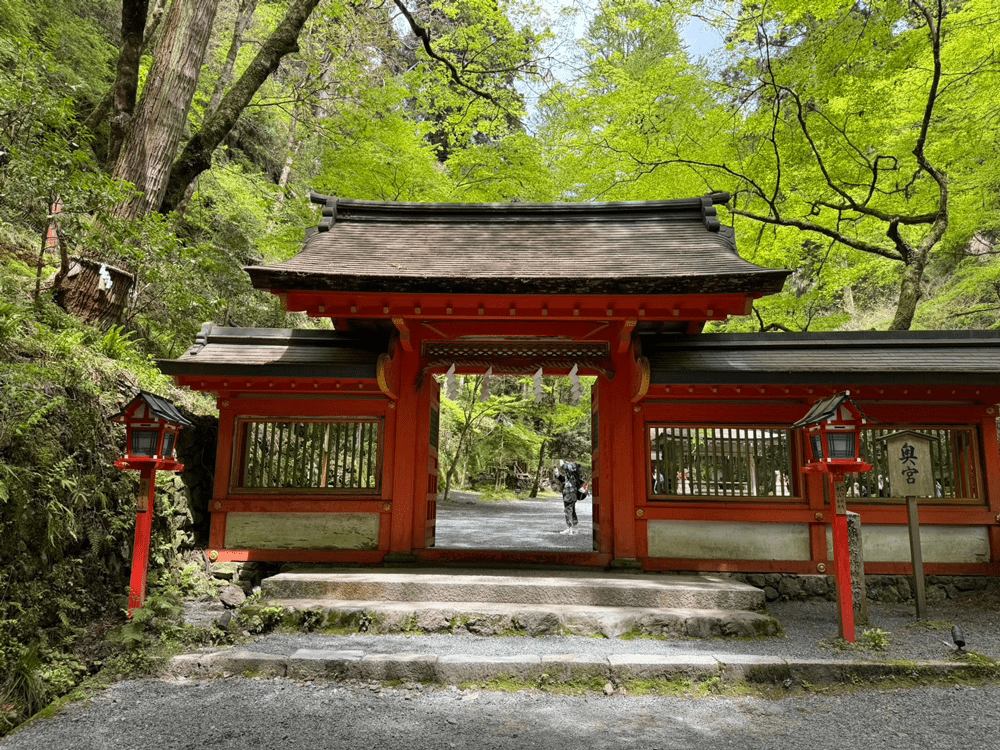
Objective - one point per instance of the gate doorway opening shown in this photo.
(501, 442)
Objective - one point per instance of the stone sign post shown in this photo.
(911, 475)
(856, 552)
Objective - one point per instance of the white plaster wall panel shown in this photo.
(302, 530)
(939, 544)
(709, 540)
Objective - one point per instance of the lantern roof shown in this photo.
(161, 408)
(827, 409)
(626, 248)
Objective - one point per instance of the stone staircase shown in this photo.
(518, 602)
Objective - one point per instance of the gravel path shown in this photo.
(269, 714)
(463, 522)
(238, 713)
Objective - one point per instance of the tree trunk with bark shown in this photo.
(538, 470)
(197, 154)
(152, 138)
(126, 85)
(291, 152)
(244, 15)
(466, 427)
(910, 291)
(96, 117)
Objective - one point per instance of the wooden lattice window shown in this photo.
(719, 462)
(954, 462)
(313, 456)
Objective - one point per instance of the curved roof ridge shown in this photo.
(337, 209)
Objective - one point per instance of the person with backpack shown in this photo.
(570, 476)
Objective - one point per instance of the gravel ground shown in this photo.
(281, 713)
(463, 522)
(238, 713)
(810, 633)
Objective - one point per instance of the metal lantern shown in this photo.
(832, 427)
(152, 425)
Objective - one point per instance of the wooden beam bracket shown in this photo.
(625, 336)
(386, 376)
(404, 333)
(640, 379)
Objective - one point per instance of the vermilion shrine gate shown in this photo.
(328, 445)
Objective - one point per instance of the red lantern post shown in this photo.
(832, 428)
(152, 426)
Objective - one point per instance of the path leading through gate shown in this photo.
(466, 522)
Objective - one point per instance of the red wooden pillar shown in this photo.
(223, 466)
(814, 486)
(600, 442)
(991, 481)
(618, 474)
(420, 434)
(842, 556)
(405, 465)
(143, 535)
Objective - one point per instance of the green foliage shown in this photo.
(874, 639)
(66, 514)
(258, 620)
(43, 158)
(499, 445)
(161, 616)
(494, 495)
(479, 39)
(79, 35)
(815, 122)
(964, 295)
(636, 102)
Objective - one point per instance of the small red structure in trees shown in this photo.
(152, 424)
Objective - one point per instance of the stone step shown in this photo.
(494, 619)
(543, 588)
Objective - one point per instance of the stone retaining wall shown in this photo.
(888, 589)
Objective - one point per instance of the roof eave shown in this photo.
(180, 368)
(275, 279)
(838, 378)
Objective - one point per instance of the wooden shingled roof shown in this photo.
(655, 247)
(844, 358)
(278, 352)
(161, 408)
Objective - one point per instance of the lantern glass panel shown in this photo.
(817, 447)
(841, 445)
(168, 445)
(144, 442)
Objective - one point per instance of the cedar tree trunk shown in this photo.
(127, 78)
(96, 117)
(197, 154)
(152, 138)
